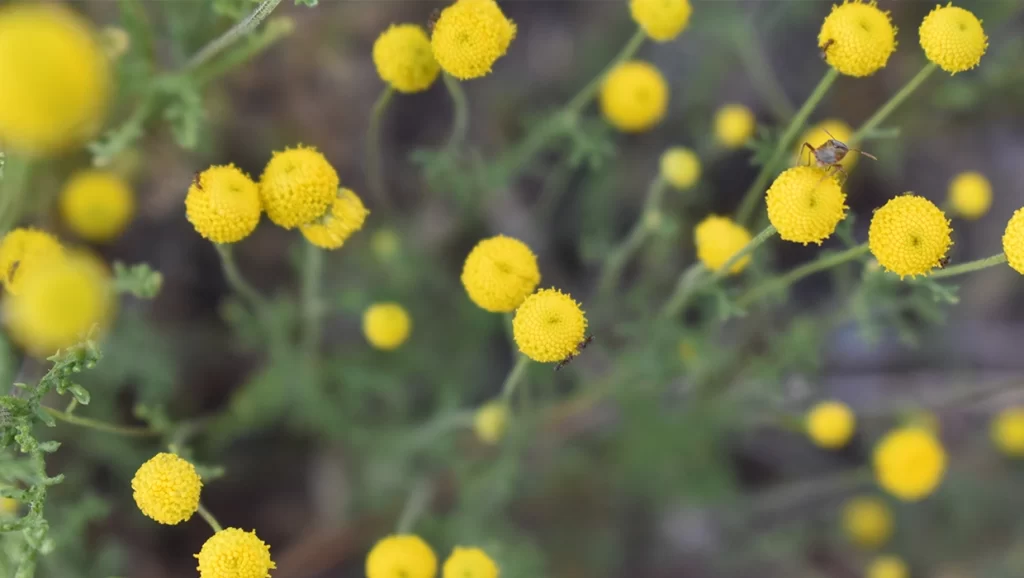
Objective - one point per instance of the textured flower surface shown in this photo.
(818, 135)
(661, 20)
(166, 488)
(97, 205)
(401, 556)
(234, 553)
(805, 205)
(1013, 241)
(909, 235)
(953, 38)
(634, 96)
(680, 167)
(867, 521)
(223, 204)
(719, 238)
(386, 325)
(499, 273)
(1008, 431)
(490, 421)
(830, 424)
(970, 195)
(469, 563)
(857, 38)
(548, 326)
(887, 567)
(297, 187)
(23, 250)
(404, 58)
(734, 125)
(55, 77)
(909, 463)
(470, 36)
(345, 217)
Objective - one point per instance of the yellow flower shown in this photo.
(404, 58)
(909, 463)
(166, 488)
(8, 507)
(297, 186)
(386, 325)
(499, 273)
(490, 421)
(953, 38)
(887, 567)
(817, 135)
(909, 235)
(97, 205)
(1008, 431)
(401, 556)
(55, 75)
(867, 521)
(857, 38)
(805, 205)
(470, 36)
(634, 96)
(223, 204)
(830, 424)
(345, 217)
(385, 244)
(661, 20)
(58, 303)
(734, 125)
(469, 563)
(548, 326)
(717, 240)
(680, 167)
(22, 250)
(234, 553)
(1013, 242)
(970, 195)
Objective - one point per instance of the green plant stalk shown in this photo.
(209, 518)
(215, 69)
(883, 113)
(17, 173)
(969, 267)
(514, 377)
(312, 302)
(624, 251)
(588, 92)
(415, 506)
(234, 34)
(237, 281)
(374, 165)
(787, 279)
(753, 195)
(131, 431)
(460, 119)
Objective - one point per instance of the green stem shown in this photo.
(275, 30)
(787, 279)
(373, 149)
(587, 94)
(237, 281)
(15, 182)
(753, 195)
(897, 99)
(969, 267)
(209, 518)
(235, 33)
(312, 302)
(460, 121)
(414, 506)
(624, 251)
(514, 377)
(100, 425)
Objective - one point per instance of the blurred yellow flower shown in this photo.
(887, 567)
(634, 96)
(386, 325)
(909, 463)
(385, 244)
(341, 221)
(8, 507)
(403, 555)
(830, 424)
(857, 38)
(470, 36)
(953, 38)
(234, 553)
(1013, 241)
(97, 205)
(499, 273)
(970, 195)
(404, 58)
(297, 186)
(1008, 431)
(55, 76)
(166, 488)
(719, 238)
(818, 135)
(680, 167)
(469, 563)
(909, 235)
(223, 204)
(22, 250)
(661, 20)
(490, 421)
(867, 521)
(548, 326)
(805, 205)
(734, 125)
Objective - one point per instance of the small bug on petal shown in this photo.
(829, 155)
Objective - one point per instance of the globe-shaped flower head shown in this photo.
(970, 195)
(297, 186)
(953, 38)
(346, 216)
(830, 424)
(470, 36)
(719, 238)
(661, 20)
(805, 205)
(734, 125)
(909, 235)
(489, 422)
(386, 325)
(680, 167)
(1013, 241)
(548, 326)
(857, 38)
(401, 556)
(96, 205)
(223, 204)
(234, 553)
(404, 58)
(887, 566)
(1008, 431)
(469, 563)
(634, 96)
(909, 463)
(22, 250)
(867, 521)
(499, 273)
(166, 488)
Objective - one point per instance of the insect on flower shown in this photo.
(579, 348)
(825, 47)
(829, 155)
(197, 180)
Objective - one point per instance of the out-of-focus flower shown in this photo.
(734, 125)
(970, 195)
(386, 325)
(1008, 431)
(680, 167)
(21, 251)
(97, 205)
(867, 521)
(634, 96)
(887, 567)
(404, 58)
(490, 421)
(830, 424)
(346, 216)
(717, 240)
(499, 273)
(909, 463)
(469, 563)
(403, 555)
(661, 20)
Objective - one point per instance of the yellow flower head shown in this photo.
(223, 204)
(59, 302)
(341, 221)
(404, 58)
(166, 488)
(1008, 431)
(23, 250)
(55, 75)
(401, 556)
(490, 421)
(887, 567)
(830, 424)
(548, 326)
(717, 240)
(469, 563)
(234, 553)
(680, 167)
(953, 38)
(96, 205)
(817, 135)
(805, 204)
(8, 507)
(867, 521)
(970, 195)
(470, 36)
(909, 463)
(499, 273)
(385, 244)
(297, 186)
(386, 325)
(634, 96)
(734, 125)
(857, 38)
(661, 20)
(909, 235)
(1013, 242)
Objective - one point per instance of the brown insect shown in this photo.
(825, 47)
(579, 348)
(197, 180)
(830, 154)
(432, 20)
(944, 262)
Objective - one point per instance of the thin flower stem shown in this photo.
(100, 425)
(373, 148)
(236, 280)
(312, 302)
(787, 279)
(514, 377)
(587, 94)
(883, 113)
(237, 32)
(17, 172)
(209, 518)
(752, 198)
(460, 122)
(415, 505)
(274, 31)
(969, 267)
(624, 251)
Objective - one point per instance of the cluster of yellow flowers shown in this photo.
(408, 556)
